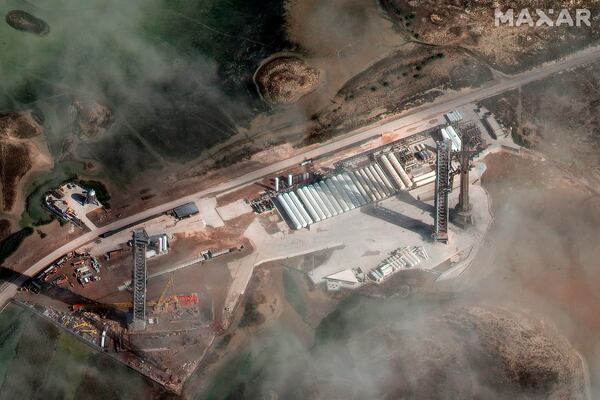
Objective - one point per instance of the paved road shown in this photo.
(413, 117)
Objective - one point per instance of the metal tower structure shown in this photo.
(442, 188)
(462, 215)
(140, 241)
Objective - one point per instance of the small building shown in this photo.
(345, 278)
(186, 210)
(453, 116)
(492, 126)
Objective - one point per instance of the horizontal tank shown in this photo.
(290, 214)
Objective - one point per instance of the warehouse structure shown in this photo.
(453, 117)
(185, 210)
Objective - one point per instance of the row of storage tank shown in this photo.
(348, 190)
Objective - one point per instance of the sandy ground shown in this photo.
(40, 161)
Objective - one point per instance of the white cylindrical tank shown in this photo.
(165, 243)
(353, 189)
(370, 184)
(332, 198)
(360, 187)
(289, 212)
(328, 208)
(454, 137)
(390, 169)
(337, 195)
(160, 244)
(295, 210)
(386, 181)
(364, 185)
(301, 208)
(319, 200)
(277, 184)
(377, 180)
(400, 170)
(290, 179)
(424, 176)
(314, 202)
(342, 191)
(425, 181)
(308, 206)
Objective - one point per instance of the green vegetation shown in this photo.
(230, 379)
(38, 360)
(292, 293)
(349, 316)
(9, 245)
(11, 325)
(251, 315)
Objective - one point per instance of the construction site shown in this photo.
(156, 293)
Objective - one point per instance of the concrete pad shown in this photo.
(234, 210)
(209, 213)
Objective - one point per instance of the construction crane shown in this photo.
(162, 300)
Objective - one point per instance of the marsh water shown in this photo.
(176, 75)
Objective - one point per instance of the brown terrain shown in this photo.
(410, 77)
(469, 25)
(541, 251)
(26, 22)
(559, 117)
(284, 80)
(471, 352)
(91, 118)
(19, 154)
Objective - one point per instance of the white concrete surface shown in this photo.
(234, 210)
(207, 207)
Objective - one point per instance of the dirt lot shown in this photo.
(54, 236)
(542, 251)
(14, 163)
(559, 117)
(396, 83)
